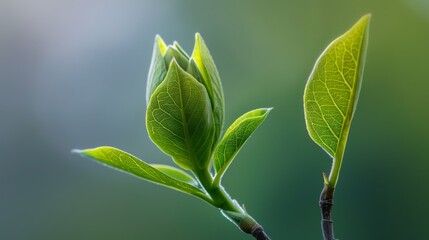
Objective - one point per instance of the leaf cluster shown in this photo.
(184, 118)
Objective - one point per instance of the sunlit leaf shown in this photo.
(194, 71)
(235, 137)
(333, 87)
(128, 163)
(158, 67)
(179, 119)
(179, 48)
(176, 173)
(173, 53)
(211, 80)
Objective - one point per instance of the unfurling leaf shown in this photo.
(211, 81)
(126, 162)
(173, 53)
(235, 137)
(179, 119)
(158, 67)
(332, 90)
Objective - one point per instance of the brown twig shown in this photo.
(326, 203)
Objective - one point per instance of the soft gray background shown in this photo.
(73, 75)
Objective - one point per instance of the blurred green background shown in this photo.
(73, 75)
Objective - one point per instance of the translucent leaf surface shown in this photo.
(333, 87)
(176, 173)
(126, 162)
(235, 137)
(179, 119)
(158, 67)
(194, 71)
(211, 80)
(176, 54)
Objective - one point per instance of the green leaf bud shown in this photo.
(186, 118)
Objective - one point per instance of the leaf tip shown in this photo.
(80, 152)
(367, 16)
(197, 36)
(264, 111)
(367, 19)
(161, 44)
(199, 44)
(76, 151)
(268, 110)
(173, 65)
(364, 21)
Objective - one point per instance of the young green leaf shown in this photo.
(173, 53)
(158, 67)
(332, 92)
(179, 48)
(211, 80)
(179, 119)
(235, 137)
(126, 162)
(194, 71)
(176, 174)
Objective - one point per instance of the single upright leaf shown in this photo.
(235, 137)
(158, 67)
(179, 119)
(211, 80)
(332, 90)
(126, 162)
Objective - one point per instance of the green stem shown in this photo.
(220, 198)
(229, 207)
(327, 195)
(335, 171)
(338, 158)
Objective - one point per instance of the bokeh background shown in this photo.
(73, 75)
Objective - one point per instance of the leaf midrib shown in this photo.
(153, 176)
(184, 119)
(348, 117)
